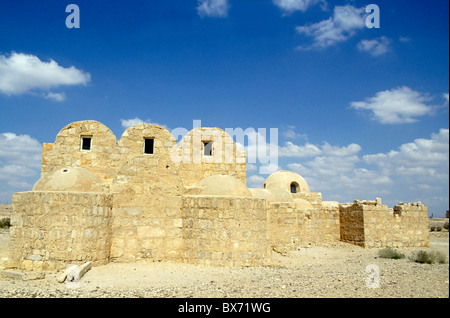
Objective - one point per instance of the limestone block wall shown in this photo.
(414, 223)
(147, 215)
(51, 230)
(107, 155)
(351, 221)
(131, 143)
(372, 224)
(225, 231)
(283, 227)
(291, 227)
(225, 158)
(321, 225)
(103, 159)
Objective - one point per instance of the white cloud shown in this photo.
(255, 181)
(213, 8)
(375, 47)
(291, 134)
(344, 23)
(396, 106)
(404, 39)
(57, 97)
(417, 157)
(292, 150)
(323, 166)
(416, 171)
(20, 150)
(337, 151)
(20, 162)
(127, 123)
(289, 6)
(21, 73)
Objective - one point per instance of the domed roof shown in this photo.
(285, 180)
(69, 179)
(302, 204)
(223, 185)
(273, 195)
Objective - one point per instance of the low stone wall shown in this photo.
(290, 227)
(282, 227)
(351, 219)
(50, 230)
(372, 224)
(225, 231)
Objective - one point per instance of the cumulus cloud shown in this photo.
(21, 73)
(290, 6)
(375, 47)
(344, 23)
(127, 123)
(427, 157)
(325, 165)
(415, 171)
(292, 150)
(20, 162)
(213, 8)
(290, 133)
(57, 97)
(20, 150)
(396, 106)
(255, 181)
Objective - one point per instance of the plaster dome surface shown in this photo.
(302, 204)
(71, 179)
(223, 185)
(284, 179)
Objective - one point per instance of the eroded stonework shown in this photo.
(146, 198)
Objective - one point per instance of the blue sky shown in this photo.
(361, 112)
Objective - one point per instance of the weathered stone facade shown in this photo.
(146, 198)
(372, 224)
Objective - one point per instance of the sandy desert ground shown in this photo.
(338, 270)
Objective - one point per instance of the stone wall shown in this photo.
(53, 229)
(225, 231)
(103, 159)
(351, 221)
(225, 158)
(372, 224)
(107, 155)
(291, 226)
(283, 226)
(147, 215)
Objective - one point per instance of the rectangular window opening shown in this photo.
(149, 146)
(208, 148)
(86, 142)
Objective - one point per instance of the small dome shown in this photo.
(69, 179)
(302, 204)
(223, 185)
(287, 180)
(273, 195)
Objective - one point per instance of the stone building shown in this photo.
(147, 198)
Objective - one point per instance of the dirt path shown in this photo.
(338, 270)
